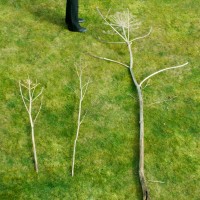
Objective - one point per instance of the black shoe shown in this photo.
(80, 20)
(80, 30)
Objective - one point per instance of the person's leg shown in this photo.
(72, 14)
(71, 18)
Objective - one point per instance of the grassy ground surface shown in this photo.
(34, 41)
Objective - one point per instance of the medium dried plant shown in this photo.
(27, 92)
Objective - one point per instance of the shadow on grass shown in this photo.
(50, 15)
(40, 11)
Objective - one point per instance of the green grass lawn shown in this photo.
(34, 41)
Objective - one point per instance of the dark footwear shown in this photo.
(80, 20)
(80, 30)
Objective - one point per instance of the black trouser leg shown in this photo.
(72, 14)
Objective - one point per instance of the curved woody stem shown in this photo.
(145, 190)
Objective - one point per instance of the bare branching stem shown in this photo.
(28, 103)
(112, 27)
(122, 28)
(82, 91)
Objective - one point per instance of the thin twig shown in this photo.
(26, 98)
(88, 82)
(34, 88)
(162, 70)
(110, 60)
(23, 96)
(110, 25)
(83, 117)
(77, 72)
(147, 84)
(128, 37)
(38, 111)
(84, 92)
(23, 85)
(124, 32)
(138, 38)
(108, 13)
(38, 95)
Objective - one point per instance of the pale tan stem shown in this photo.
(83, 90)
(77, 134)
(110, 60)
(141, 122)
(141, 156)
(32, 126)
(142, 37)
(162, 70)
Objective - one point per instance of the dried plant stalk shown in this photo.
(28, 103)
(82, 92)
(122, 24)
